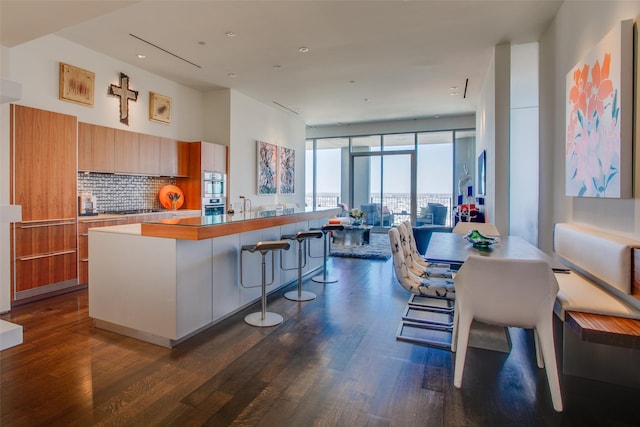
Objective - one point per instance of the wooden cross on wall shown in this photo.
(125, 95)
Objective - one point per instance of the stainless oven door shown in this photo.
(212, 210)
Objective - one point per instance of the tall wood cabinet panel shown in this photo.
(44, 182)
(202, 157)
(126, 146)
(95, 148)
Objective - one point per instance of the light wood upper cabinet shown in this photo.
(95, 148)
(169, 157)
(102, 149)
(84, 147)
(213, 157)
(126, 145)
(148, 154)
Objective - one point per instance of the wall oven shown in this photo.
(213, 184)
(213, 206)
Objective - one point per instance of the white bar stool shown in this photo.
(326, 230)
(263, 318)
(301, 237)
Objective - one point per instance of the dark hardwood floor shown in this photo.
(333, 362)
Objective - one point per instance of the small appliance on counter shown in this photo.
(87, 204)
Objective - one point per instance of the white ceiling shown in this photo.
(367, 60)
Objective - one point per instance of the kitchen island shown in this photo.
(164, 281)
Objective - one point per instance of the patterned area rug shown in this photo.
(378, 248)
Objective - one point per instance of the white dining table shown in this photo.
(454, 248)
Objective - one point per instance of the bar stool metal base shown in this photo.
(322, 279)
(300, 296)
(270, 319)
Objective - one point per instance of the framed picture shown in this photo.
(76, 85)
(286, 170)
(599, 114)
(159, 108)
(267, 157)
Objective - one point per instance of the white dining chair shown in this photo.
(485, 228)
(416, 263)
(507, 292)
(437, 295)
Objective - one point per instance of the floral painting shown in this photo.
(267, 155)
(599, 103)
(287, 170)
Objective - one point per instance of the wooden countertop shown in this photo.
(207, 227)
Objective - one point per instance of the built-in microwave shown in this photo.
(213, 184)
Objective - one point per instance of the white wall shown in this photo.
(577, 27)
(523, 160)
(485, 135)
(252, 121)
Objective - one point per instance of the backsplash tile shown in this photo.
(123, 192)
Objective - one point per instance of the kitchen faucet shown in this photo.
(244, 203)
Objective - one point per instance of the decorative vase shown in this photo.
(357, 222)
(174, 205)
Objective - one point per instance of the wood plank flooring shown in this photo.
(333, 362)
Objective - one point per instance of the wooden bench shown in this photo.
(599, 304)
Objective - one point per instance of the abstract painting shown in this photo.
(76, 84)
(287, 170)
(159, 108)
(267, 156)
(599, 95)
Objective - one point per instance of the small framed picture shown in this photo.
(159, 108)
(76, 85)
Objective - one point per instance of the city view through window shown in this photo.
(388, 176)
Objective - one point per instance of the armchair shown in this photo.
(374, 216)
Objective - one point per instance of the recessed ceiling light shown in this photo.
(232, 75)
(454, 88)
(230, 34)
(201, 43)
(141, 56)
(366, 100)
(303, 49)
(453, 93)
(276, 67)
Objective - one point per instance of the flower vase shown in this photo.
(357, 222)
(174, 205)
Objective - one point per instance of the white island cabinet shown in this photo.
(164, 290)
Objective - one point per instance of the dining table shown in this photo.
(454, 249)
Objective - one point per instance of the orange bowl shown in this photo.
(165, 201)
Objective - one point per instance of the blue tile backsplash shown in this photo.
(123, 192)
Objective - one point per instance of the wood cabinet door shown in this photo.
(44, 173)
(208, 157)
(84, 147)
(125, 151)
(149, 154)
(102, 149)
(45, 254)
(168, 157)
(220, 158)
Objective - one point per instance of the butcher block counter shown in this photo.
(164, 281)
(206, 227)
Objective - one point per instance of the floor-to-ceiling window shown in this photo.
(393, 177)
